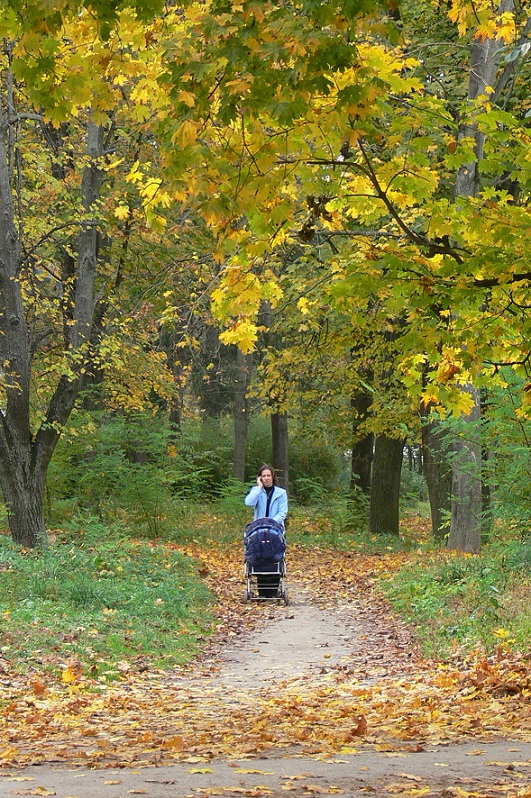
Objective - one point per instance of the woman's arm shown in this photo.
(251, 500)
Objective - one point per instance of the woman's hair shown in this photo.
(267, 467)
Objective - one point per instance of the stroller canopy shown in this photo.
(264, 542)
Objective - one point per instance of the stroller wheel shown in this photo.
(246, 596)
(285, 596)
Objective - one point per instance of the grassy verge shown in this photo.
(466, 603)
(101, 599)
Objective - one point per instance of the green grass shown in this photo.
(101, 598)
(465, 603)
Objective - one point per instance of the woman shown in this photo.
(269, 501)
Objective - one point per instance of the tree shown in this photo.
(438, 473)
(385, 486)
(61, 122)
(467, 494)
(316, 128)
(375, 146)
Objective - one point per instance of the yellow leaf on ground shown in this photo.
(252, 770)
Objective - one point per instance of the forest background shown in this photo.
(233, 233)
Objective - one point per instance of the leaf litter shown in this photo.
(384, 696)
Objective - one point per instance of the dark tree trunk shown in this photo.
(211, 399)
(176, 401)
(487, 508)
(385, 486)
(438, 474)
(241, 413)
(279, 431)
(362, 447)
(25, 508)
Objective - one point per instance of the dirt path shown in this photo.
(325, 696)
(305, 640)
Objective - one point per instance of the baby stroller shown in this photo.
(264, 547)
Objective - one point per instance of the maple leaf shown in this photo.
(72, 673)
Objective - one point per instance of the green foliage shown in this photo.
(204, 451)
(258, 448)
(466, 602)
(413, 488)
(316, 469)
(115, 466)
(507, 437)
(136, 468)
(100, 597)
(504, 435)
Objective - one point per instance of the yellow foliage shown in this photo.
(186, 134)
(243, 333)
(122, 212)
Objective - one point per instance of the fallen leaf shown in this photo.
(252, 770)
(39, 688)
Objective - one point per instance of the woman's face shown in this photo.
(267, 478)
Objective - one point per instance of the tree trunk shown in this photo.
(241, 413)
(361, 460)
(467, 497)
(24, 456)
(438, 474)
(467, 505)
(487, 515)
(211, 395)
(385, 486)
(279, 431)
(24, 501)
(175, 406)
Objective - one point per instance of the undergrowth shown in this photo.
(102, 599)
(465, 603)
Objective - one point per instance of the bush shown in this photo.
(316, 470)
(112, 465)
(137, 470)
(459, 600)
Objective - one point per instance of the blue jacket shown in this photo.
(278, 508)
